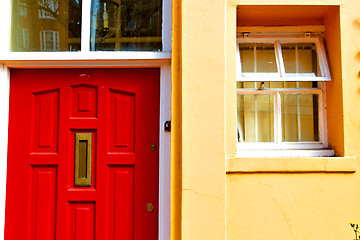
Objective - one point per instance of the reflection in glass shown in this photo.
(258, 58)
(46, 25)
(300, 121)
(300, 59)
(126, 25)
(255, 118)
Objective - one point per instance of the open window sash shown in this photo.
(279, 71)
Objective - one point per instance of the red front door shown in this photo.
(83, 156)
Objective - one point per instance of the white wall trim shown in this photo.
(4, 117)
(70, 56)
(164, 137)
(85, 63)
(166, 25)
(164, 153)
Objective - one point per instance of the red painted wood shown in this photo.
(43, 199)
(84, 101)
(122, 116)
(46, 121)
(82, 220)
(120, 107)
(120, 206)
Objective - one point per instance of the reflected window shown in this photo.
(22, 9)
(48, 8)
(49, 40)
(52, 25)
(126, 25)
(24, 38)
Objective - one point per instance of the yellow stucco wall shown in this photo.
(216, 195)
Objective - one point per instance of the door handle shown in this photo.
(150, 207)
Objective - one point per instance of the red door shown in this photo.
(83, 157)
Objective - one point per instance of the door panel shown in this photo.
(43, 202)
(93, 125)
(46, 118)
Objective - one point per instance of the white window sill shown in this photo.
(82, 55)
(271, 153)
(291, 165)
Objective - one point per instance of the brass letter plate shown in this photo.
(83, 159)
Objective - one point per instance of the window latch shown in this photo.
(167, 126)
(246, 34)
(262, 86)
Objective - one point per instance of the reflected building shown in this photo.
(126, 25)
(46, 25)
(55, 25)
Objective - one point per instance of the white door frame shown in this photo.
(164, 137)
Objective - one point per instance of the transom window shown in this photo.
(281, 91)
(96, 25)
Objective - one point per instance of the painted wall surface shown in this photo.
(220, 195)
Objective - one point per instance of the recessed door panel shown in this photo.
(43, 202)
(121, 202)
(46, 117)
(122, 112)
(82, 221)
(80, 161)
(84, 101)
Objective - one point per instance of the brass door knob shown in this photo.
(153, 146)
(149, 207)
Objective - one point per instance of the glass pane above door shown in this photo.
(126, 25)
(46, 25)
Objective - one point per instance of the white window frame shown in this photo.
(279, 148)
(277, 40)
(87, 59)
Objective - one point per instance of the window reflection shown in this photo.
(126, 25)
(46, 25)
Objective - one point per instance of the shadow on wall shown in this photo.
(356, 23)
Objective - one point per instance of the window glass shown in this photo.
(126, 25)
(49, 40)
(298, 112)
(258, 58)
(300, 59)
(46, 25)
(255, 118)
(299, 117)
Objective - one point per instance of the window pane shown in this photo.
(301, 60)
(272, 85)
(46, 25)
(299, 118)
(258, 58)
(126, 25)
(255, 118)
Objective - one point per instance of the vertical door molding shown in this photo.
(4, 116)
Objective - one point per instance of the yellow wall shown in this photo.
(216, 195)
